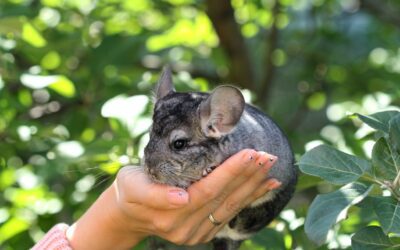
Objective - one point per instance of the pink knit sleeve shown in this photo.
(55, 239)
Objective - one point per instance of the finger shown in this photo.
(268, 186)
(135, 187)
(206, 236)
(229, 174)
(211, 235)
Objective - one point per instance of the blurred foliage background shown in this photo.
(76, 78)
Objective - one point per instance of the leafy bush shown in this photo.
(368, 184)
(76, 80)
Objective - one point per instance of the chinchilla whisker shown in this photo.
(190, 177)
(98, 183)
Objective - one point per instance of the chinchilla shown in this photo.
(194, 132)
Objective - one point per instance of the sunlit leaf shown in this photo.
(250, 30)
(59, 83)
(53, 3)
(141, 125)
(139, 5)
(12, 227)
(63, 86)
(36, 81)
(370, 238)
(128, 110)
(125, 107)
(328, 209)
(316, 101)
(7, 177)
(25, 98)
(24, 197)
(51, 60)
(70, 149)
(333, 165)
(180, 2)
(1, 83)
(110, 167)
(185, 32)
(32, 36)
(88, 135)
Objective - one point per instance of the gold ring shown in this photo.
(213, 220)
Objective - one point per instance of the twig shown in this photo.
(272, 41)
(382, 10)
(396, 182)
(222, 16)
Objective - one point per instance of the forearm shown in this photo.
(103, 226)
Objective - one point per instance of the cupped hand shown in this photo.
(134, 207)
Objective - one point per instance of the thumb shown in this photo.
(137, 188)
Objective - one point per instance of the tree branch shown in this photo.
(272, 41)
(382, 10)
(222, 17)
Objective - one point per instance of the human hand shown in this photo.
(233, 185)
(134, 208)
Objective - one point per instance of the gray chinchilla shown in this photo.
(193, 133)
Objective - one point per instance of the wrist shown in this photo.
(104, 225)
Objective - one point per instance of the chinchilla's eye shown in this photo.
(179, 144)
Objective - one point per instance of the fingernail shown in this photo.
(178, 197)
(272, 159)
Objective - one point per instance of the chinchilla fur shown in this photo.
(194, 132)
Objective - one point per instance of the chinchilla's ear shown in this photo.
(164, 85)
(220, 112)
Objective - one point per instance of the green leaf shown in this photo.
(394, 133)
(388, 211)
(380, 120)
(7, 178)
(32, 36)
(59, 83)
(51, 60)
(370, 238)
(317, 101)
(333, 165)
(11, 228)
(11, 25)
(385, 164)
(328, 209)
(269, 237)
(306, 181)
(63, 86)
